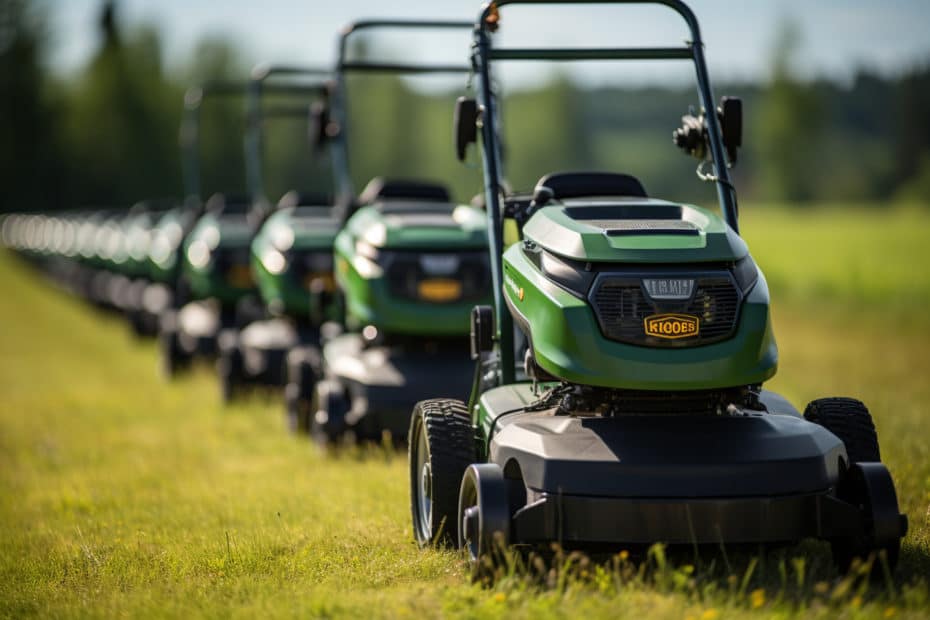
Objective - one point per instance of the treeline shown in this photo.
(107, 136)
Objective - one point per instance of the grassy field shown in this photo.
(121, 495)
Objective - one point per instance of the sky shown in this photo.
(838, 36)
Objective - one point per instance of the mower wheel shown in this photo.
(303, 370)
(870, 487)
(173, 359)
(328, 426)
(850, 420)
(484, 513)
(231, 373)
(441, 446)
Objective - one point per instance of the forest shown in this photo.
(107, 135)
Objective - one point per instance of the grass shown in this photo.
(121, 495)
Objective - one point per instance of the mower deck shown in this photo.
(384, 383)
(750, 477)
(262, 348)
(196, 327)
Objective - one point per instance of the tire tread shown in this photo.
(850, 420)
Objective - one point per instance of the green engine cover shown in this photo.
(292, 259)
(215, 258)
(413, 267)
(642, 294)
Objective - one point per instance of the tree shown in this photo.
(27, 151)
(788, 126)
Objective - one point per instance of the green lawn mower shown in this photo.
(641, 326)
(129, 264)
(214, 286)
(410, 264)
(292, 253)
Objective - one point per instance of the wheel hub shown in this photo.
(425, 488)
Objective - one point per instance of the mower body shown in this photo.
(292, 261)
(591, 286)
(409, 269)
(413, 267)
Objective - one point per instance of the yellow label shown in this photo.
(320, 282)
(240, 276)
(520, 293)
(672, 326)
(439, 289)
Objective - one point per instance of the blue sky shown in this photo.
(838, 35)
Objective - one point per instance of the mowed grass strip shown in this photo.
(121, 494)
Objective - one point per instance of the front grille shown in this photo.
(404, 274)
(306, 262)
(227, 258)
(622, 305)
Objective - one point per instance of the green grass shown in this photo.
(121, 495)
(843, 254)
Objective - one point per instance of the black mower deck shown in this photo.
(384, 383)
(696, 479)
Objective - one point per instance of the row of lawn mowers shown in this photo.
(580, 363)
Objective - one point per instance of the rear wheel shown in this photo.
(441, 447)
(850, 420)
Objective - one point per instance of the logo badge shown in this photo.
(672, 326)
(669, 288)
(440, 290)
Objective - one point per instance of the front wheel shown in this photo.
(328, 425)
(303, 371)
(869, 487)
(231, 373)
(441, 446)
(173, 359)
(484, 513)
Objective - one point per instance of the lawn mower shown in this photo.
(410, 264)
(128, 263)
(637, 414)
(292, 253)
(214, 286)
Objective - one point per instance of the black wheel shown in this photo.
(173, 359)
(869, 487)
(303, 368)
(850, 420)
(231, 374)
(441, 447)
(484, 513)
(328, 425)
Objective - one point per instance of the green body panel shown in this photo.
(287, 236)
(497, 400)
(362, 281)
(390, 229)
(216, 235)
(568, 342)
(553, 229)
(563, 329)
